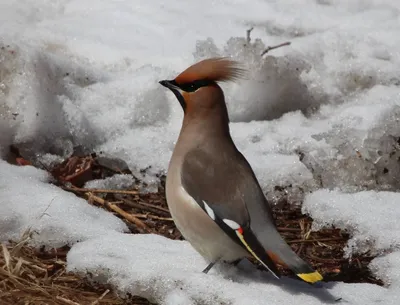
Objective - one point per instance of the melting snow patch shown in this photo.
(167, 271)
(56, 217)
(121, 181)
(372, 218)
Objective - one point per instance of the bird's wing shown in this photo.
(225, 187)
(222, 185)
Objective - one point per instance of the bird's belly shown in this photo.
(200, 230)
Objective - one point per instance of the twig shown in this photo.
(146, 216)
(118, 210)
(314, 240)
(300, 249)
(283, 229)
(66, 301)
(85, 190)
(153, 206)
(358, 263)
(100, 297)
(7, 257)
(275, 47)
(326, 260)
(248, 32)
(142, 205)
(116, 202)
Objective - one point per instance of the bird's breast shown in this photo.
(196, 226)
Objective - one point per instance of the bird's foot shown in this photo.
(208, 268)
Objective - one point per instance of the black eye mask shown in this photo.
(193, 86)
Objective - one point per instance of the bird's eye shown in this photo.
(191, 87)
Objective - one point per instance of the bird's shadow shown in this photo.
(245, 271)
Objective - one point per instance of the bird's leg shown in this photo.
(210, 265)
(208, 268)
(236, 262)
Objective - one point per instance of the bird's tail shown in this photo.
(281, 253)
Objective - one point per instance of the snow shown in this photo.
(119, 181)
(321, 116)
(361, 214)
(175, 275)
(55, 217)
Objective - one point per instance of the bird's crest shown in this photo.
(218, 69)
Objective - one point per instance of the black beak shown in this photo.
(172, 85)
(168, 84)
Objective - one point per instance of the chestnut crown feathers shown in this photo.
(208, 71)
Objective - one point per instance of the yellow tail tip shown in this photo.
(310, 277)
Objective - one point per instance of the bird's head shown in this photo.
(197, 87)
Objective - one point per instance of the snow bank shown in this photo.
(370, 217)
(174, 272)
(55, 217)
(99, 89)
(170, 272)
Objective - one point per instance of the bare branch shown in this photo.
(248, 32)
(129, 217)
(85, 190)
(275, 47)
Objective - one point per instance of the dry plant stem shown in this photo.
(101, 297)
(116, 209)
(66, 301)
(142, 205)
(275, 47)
(154, 207)
(281, 229)
(325, 260)
(313, 240)
(248, 32)
(6, 255)
(85, 190)
(248, 39)
(146, 216)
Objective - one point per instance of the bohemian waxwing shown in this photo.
(212, 193)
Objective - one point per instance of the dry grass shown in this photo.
(31, 277)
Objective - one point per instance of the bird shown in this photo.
(212, 192)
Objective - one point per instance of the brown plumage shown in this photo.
(219, 69)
